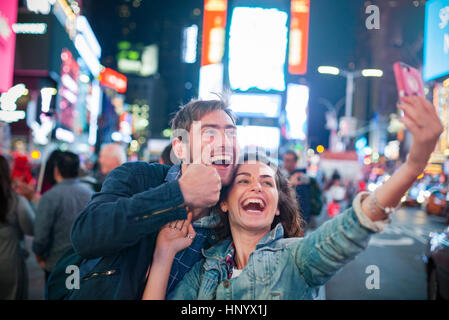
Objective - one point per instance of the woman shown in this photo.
(16, 219)
(264, 258)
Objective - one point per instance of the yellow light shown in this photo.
(35, 154)
(320, 149)
(446, 83)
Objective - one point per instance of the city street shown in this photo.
(397, 252)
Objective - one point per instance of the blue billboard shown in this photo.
(436, 40)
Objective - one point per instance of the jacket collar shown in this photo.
(69, 181)
(174, 173)
(273, 235)
(220, 250)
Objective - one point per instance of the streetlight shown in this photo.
(350, 76)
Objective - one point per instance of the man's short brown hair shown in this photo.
(196, 109)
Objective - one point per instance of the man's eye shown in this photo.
(243, 181)
(231, 133)
(210, 132)
(269, 183)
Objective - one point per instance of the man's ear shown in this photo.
(179, 148)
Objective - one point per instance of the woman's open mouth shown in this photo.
(253, 205)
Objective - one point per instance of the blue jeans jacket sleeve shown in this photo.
(326, 250)
(134, 202)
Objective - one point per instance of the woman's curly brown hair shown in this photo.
(289, 216)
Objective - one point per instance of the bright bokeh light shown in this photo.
(35, 155)
(296, 111)
(329, 70)
(372, 73)
(211, 81)
(266, 105)
(190, 44)
(29, 28)
(265, 137)
(320, 149)
(257, 49)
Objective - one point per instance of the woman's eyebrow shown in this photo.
(249, 175)
(243, 173)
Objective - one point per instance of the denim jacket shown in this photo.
(281, 268)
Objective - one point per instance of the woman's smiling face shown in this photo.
(252, 201)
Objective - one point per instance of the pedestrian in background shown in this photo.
(289, 163)
(308, 192)
(112, 155)
(56, 211)
(49, 179)
(16, 219)
(165, 156)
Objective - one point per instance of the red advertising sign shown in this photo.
(214, 26)
(114, 80)
(299, 36)
(8, 16)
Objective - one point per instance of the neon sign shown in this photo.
(8, 106)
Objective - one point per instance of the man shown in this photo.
(116, 232)
(308, 192)
(57, 210)
(165, 157)
(111, 156)
(289, 162)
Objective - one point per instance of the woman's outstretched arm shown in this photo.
(173, 237)
(421, 119)
(326, 250)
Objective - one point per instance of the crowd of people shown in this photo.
(46, 215)
(220, 223)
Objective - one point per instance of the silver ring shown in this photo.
(190, 237)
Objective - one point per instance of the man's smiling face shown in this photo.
(213, 140)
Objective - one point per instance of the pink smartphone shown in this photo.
(408, 80)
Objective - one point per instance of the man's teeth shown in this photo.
(221, 158)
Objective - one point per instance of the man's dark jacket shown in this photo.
(119, 227)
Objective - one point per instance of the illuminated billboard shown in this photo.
(211, 81)
(264, 105)
(114, 80)
(260, 136)
(257, 49)
(214, 25)
(436, 40)
(296, 111)
(68, 91)
(8, 16)
(299, 36)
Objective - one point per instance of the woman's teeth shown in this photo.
(253, 205)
